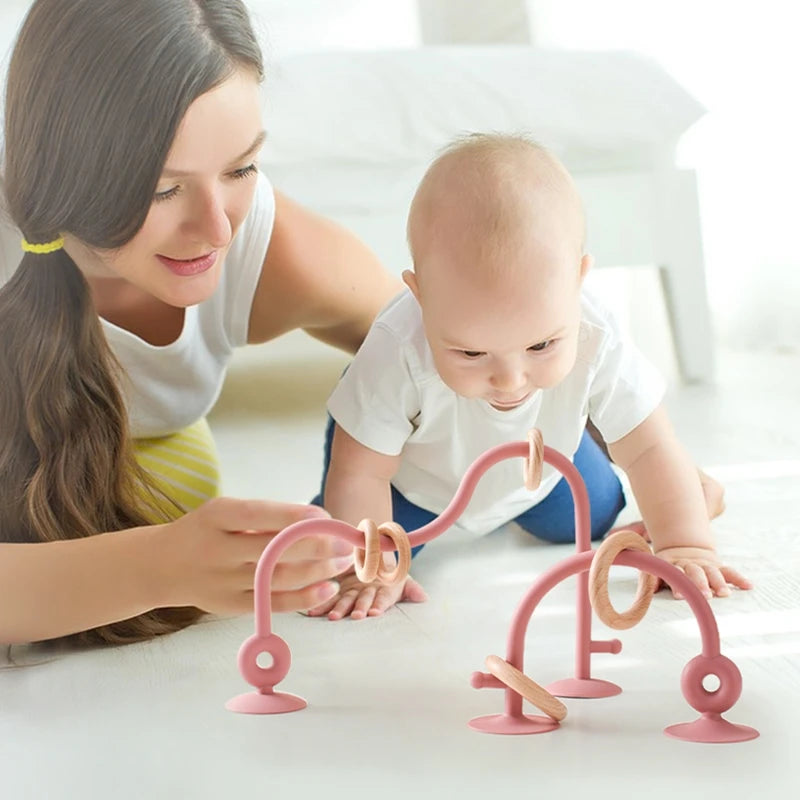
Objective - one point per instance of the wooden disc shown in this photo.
(523, 685)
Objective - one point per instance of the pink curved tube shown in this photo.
(580, 562)
(710, 727)
(288, 536)
(262, 599)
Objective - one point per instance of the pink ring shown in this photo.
(722, 698)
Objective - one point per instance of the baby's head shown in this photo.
(496, 234)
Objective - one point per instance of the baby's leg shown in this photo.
(409, 516)
(554, 518)
(326, 460)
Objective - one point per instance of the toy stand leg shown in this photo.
(711, 728)
(513, 725)
(268, 702)
(583, 687)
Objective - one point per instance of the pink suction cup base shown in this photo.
(583, 687)
(513, 725)
(711, 728)
(266, 703)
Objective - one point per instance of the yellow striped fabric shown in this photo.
(184, 465)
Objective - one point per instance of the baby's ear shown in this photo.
(410, 280)
(587, 262)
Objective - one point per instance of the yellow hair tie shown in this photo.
(46, 247)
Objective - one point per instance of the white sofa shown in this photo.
(351, 131)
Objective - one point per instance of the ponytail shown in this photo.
(67, 468)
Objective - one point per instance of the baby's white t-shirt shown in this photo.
(392, 400)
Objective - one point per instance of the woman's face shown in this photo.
(203, 195)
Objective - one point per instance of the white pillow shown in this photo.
(597, 110)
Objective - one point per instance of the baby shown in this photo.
(494, 337)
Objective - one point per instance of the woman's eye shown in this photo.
(244, 172)
(537, 348)
(237, 174)
(167, 194)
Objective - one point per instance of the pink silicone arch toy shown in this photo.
(709, 727)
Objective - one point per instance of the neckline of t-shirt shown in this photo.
(189, 320)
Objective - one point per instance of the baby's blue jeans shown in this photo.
(553, 519)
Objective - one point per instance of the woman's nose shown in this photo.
(210, 222)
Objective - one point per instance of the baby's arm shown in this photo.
(358, 487)
(666, 486)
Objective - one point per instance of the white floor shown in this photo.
(389, 698)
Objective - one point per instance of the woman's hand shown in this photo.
(208, 557)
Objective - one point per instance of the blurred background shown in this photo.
(740, 60)
(360, 93)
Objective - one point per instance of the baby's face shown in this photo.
(505, 339)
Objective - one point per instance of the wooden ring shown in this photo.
(400, 538)
(598, 581)
(367, 560)
(520, 683)
(532, 467)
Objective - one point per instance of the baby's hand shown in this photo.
(359, 600)
(704, 569)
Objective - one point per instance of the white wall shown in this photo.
(742, 61)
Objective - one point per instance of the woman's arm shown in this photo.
(57, 588)
(206, 558)
(319, 277)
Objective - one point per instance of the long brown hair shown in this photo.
(95, 92)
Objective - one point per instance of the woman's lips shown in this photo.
(188, 267)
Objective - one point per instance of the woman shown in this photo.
(153, 247)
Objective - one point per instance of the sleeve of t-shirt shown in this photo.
(376, 398)
(626, 387)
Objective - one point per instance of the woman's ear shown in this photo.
(410, 280)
